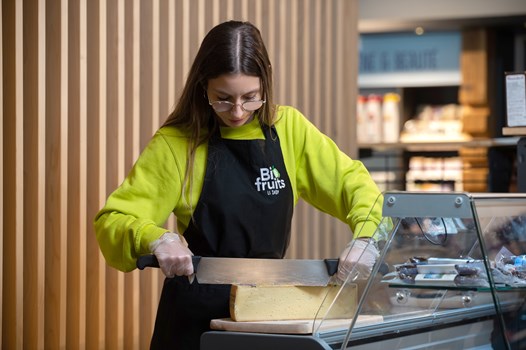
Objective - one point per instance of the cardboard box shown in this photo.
(474, 157)
(475, 120)
(475, 180)
(474, 67)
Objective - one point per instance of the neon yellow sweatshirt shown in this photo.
(321, 174)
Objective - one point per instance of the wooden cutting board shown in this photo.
(288, 327)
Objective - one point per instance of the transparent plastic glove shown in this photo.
(175, 259)
(359, 257)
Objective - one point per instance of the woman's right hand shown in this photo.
(175, 259)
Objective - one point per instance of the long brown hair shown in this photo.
(228, 48)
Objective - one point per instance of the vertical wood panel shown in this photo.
(12, 311)
(52, 312)
(56, 173)
(76, 251)
(114, 77)
(156, 70)
(1, 174)
(60, 237)
(75, 246)
(18, 158)
(96, 162)
(82, 178)
(96, 80)
(105, 325)
(34, 163)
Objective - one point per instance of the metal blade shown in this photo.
(269, 272)
(292, 272)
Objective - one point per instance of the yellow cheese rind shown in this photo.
(275, 303)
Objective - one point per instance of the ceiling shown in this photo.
(405, 15)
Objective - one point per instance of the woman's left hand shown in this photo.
(359, 256)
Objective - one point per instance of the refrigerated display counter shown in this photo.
(451, 274)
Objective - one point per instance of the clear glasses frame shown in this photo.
(226, 106)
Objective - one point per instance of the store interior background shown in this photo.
(449, 121)
(86, 83)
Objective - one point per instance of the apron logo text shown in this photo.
(269, 181)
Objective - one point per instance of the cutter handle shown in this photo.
(147, 261)
(331, 265)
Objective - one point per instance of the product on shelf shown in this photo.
(391, 117)
(373, 129)
(450, 272)
(435, 124)
(434, 174)
(378, 118)
(507, 269)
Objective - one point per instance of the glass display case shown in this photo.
(451, 274)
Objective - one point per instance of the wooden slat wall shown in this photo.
(85, 84)
(1, 177)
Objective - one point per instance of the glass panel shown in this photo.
(503, 225)
(442, 264)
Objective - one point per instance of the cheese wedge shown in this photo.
(275, 303)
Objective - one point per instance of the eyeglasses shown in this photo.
(226, 106)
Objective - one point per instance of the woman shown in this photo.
(230, 165)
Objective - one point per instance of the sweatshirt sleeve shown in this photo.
(331, 181)
(135, 212)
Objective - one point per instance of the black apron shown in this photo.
(245, 210)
